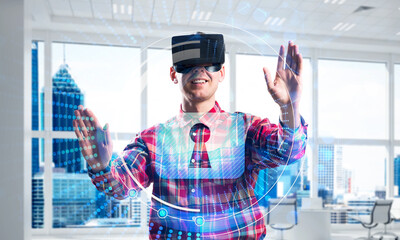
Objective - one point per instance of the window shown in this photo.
(352, 99)
(397, 101)
(104, 79)
(252, 93)
(396, 191)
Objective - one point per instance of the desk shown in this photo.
(312, 225)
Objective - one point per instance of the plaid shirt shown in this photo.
(228, 206)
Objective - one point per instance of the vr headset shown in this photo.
(189, 51)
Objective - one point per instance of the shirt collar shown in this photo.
(207, 119)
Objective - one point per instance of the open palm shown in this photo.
(95, 142)
(286, 88)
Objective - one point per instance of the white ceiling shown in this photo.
(149, 17)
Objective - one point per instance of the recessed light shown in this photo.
(337, 26)
(194, 14)
(268, 20)
(201, 15)
(208, 16)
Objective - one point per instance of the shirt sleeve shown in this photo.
(130, 170)
(271, 145)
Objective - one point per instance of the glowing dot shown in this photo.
(133, 193)
(198, 234)
(162, 213)
(199, 221)
(189, 234)
(171, 231)
(180, 233)
(95, 155)
(161, 228)
(151, 224)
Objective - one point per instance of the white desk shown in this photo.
(312, 225)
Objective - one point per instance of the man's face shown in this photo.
(198, 84)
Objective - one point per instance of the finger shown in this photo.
(281, 58)
(299, 64)
(87, 121)
(268, 79)
(107, 134)
(93, 119)
(295, 51)
(78, 114)
(289, 55)
(76, 128)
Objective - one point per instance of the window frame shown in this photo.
(236, 48)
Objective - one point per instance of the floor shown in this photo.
(337, 234)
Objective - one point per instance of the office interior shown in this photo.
(113, 56)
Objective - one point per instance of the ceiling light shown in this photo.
(398, 34)
(349, 27)
(341, 2)
(333, 1)
(281, 21)
(276, 19)
(122, 9)
(343, 27)
(268, 20)
(194, 14)
(337, 26)
(129, 9)
(115, 8)
(208, 16)
(201, 15)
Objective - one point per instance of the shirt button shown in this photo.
(193, 160)
(193, 190)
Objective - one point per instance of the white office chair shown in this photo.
(282, 214)
(394, 215)
(380, 214)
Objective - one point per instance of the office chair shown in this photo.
(380, 214)
(394, 215)
(282, 214)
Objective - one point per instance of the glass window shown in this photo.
(76, 201)
(104, 79)
(37, 84)
(251, 90)
(351, 172)
(37, 183)
(164, 97)
(396, 191)
(352, 99)
(397, 100)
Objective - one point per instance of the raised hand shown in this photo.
(286, 88)
(95, 141)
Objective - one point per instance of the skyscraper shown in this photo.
(397, 173)
(66, 98)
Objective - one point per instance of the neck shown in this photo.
(198, 107)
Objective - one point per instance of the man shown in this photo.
(199, 190)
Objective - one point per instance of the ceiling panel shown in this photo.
(81, 8)
(183, 12)
(142, 10)
(162, 11)
(102, 9)
(122, 9)
(225, 6)
(60, 8)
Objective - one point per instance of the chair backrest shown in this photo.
(282, 211)
(381, 211)
(395, 211)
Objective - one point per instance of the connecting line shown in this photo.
(156, 198)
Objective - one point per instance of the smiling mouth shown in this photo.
(199, 81)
